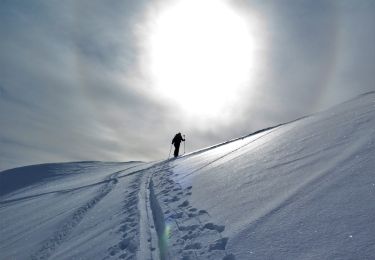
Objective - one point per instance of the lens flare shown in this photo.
(164, 239)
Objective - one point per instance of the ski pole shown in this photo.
(170, 149)
(184, 144)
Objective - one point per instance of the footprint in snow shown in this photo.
(212, 226)
(184, 204)
(175, 198)
(202, 211)
(190, 236)
(177, 215)
(188, 228)
(229, 257)
(196, 245)
(219, 244)
(123, 228)
(128, 244)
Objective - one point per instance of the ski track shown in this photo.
(158, 221)
(184, 232)
(139, 239)
(50, 245)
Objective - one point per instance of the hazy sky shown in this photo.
(115, 80)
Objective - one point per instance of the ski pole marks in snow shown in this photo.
(188, 232)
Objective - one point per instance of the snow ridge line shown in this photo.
(4, 202)
(225, 155)
(50, 245)
(245, 136)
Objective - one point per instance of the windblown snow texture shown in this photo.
(302, 190)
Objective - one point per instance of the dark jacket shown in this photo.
(177, 139)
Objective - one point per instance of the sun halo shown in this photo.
(201, 54)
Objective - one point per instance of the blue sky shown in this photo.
(74, 84)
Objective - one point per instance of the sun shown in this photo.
(201, 55)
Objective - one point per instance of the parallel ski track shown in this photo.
(149, 237)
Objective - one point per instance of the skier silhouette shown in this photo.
(176, 142)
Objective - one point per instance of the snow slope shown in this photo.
(302, 190)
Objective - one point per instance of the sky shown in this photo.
(115, 80)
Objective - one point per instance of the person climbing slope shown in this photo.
(176, 141)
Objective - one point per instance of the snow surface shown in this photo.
(302, 190)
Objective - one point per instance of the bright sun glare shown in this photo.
(201, 55)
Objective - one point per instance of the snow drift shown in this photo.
(302, 190)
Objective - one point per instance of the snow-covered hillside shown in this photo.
(303, 190)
